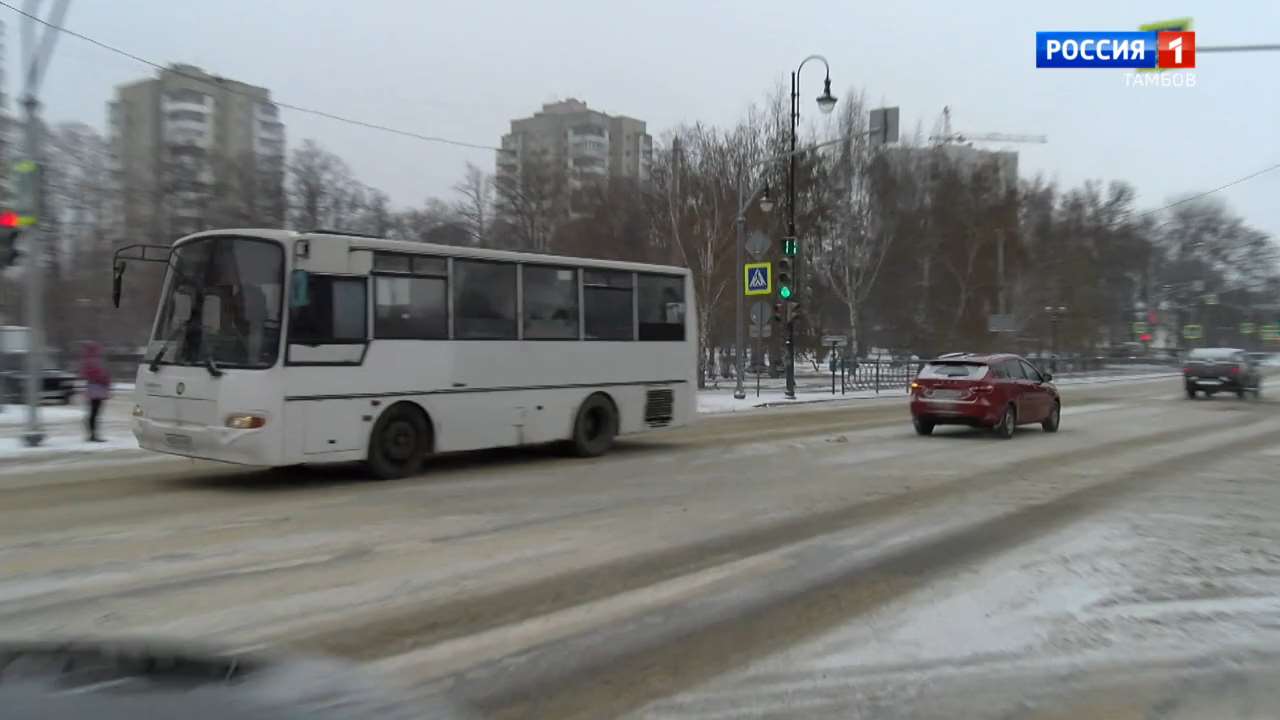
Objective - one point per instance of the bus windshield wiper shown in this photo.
(155, 361)
(212, 366)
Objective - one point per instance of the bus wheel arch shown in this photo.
(400, 441)
(595, 425)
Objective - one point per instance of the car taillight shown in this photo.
(1186, 371)
(1235, 369)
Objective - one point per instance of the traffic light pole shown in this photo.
(34, 434)
(36, 52)
(790, 341)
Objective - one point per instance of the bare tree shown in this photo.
(315, 175)
(475, 205)
(860, 231)
(532, 202)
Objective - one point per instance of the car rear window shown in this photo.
(954, 371)
(1206, 355)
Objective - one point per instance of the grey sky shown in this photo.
(464, 69)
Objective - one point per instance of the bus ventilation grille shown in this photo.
(659, 407)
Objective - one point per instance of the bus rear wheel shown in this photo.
(399, 443)
(595, 427)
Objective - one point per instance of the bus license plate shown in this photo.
(178, 442)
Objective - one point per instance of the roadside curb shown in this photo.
(889, 395)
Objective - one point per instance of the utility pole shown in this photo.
(36, 52)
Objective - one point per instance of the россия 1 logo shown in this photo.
(1131, 50)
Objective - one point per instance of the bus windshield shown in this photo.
(222, 304)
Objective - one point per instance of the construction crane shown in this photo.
(951, 137)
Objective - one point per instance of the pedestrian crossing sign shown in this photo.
(758, 278)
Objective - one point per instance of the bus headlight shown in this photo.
(137, 411)
(245, 422)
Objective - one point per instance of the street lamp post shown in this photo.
(1055, 316)
(826, 103)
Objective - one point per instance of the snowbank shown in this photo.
(722, 401)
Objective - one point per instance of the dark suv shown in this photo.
(1214, 370)
(995, 391)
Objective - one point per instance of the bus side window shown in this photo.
(661, 307)
(606, 299)
(484, 300)
(334, 315)
(550, 303)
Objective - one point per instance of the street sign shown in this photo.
(837, 340)
(1001, 323)
(884, 126)
(761, 331)
(759, 312)
(758, 278)
(1140, 328)
(1211, 299)
(757, 243)
(1271, 332)
(1191, 332)
(1247, 328)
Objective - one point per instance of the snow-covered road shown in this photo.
(813, 561)
(1147, 598)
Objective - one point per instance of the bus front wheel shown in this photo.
(400, 442)
(595, 426)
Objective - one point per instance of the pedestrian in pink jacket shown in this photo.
(97, 386)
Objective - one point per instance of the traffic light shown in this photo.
(785, 287)
(777, 312)
(792, 312)
(789, 246)
(10, 229)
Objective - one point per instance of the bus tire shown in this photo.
(399, 442)
(595, 426)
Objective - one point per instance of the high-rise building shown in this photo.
(586, 144)
(965, 158)
(192, 151)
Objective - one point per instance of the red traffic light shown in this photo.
(8, 219)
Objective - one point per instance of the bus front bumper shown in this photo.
(243, 447)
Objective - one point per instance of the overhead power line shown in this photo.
(234, 91)
(1220, 188)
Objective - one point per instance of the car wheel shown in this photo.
(923, 427)
(1240, 394)
(1191, 393)
(595, 427)
(1051, 423)
(399, 443)
(1008, 423)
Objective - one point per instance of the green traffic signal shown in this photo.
(789, 247)
(784, 278)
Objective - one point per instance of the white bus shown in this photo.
(276, 348)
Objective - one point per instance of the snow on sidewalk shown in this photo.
(60, 446)
(723, 401)
(16, 415)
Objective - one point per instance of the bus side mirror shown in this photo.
(117, 281)
(299, 292)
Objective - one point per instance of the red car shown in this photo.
(993, 391)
